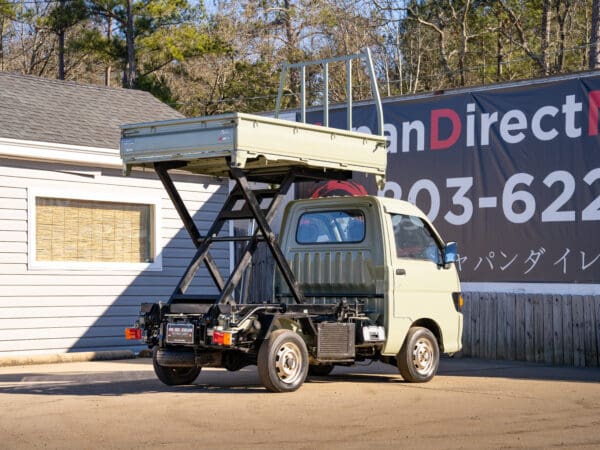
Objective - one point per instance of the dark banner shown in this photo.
(512, 174)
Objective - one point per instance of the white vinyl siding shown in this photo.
(56, 310)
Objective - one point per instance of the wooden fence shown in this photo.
(553, 329)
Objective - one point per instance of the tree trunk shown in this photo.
(595, 36)
(399, 64)
(441, 37)
(499, 57)
(108, 69)
(61, 55)
(418, 71)
(546, 19)
(2, 43)
(61, 47)
(464, 42)
(130, 73)
(291, 44)
(562, 32)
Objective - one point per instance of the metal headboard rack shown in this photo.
(366, 57)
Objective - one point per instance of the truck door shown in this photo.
(422, 286)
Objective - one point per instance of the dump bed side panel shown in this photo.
(250, 142)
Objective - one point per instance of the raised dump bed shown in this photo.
(258, 145)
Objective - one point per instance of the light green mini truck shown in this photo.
(355, 278)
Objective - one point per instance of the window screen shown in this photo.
(93, 231)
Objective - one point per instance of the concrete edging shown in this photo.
(65, 357)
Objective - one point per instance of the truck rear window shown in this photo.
(345, 226)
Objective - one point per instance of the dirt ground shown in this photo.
(470, 404)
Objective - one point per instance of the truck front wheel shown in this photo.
(174, 376)
(419, 357)
(282, 361)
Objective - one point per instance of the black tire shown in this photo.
(282, 361)
(419, 357)
(320, 371)
(174, 376)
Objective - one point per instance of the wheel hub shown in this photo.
(423, 357)
(288, 363)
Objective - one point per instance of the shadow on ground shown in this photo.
(121, 383)
(136, 378)
(518, 370)
(215, 381)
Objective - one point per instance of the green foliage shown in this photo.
(65, 15)
(93, 42)
(7, 10)
(158, 87)
(253, 86)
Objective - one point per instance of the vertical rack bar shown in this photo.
(326, 94)
(375, 92)
(349, 94)
(303, 94)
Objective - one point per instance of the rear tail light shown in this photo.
(222, 338)
(458, 301)
(133, 334)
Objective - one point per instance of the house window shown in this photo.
(92, 231)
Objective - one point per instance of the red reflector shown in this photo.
(133, 333)
(218, 337)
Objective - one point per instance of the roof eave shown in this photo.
(52, 152)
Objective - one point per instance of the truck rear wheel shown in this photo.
(174, 376)
(419, 357)
(282, 361)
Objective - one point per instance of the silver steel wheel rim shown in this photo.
(288, 363)
(423, 357)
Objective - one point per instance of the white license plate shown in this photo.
(180, 333)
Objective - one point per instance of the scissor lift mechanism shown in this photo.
(251, 209)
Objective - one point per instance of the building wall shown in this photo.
(46, 310)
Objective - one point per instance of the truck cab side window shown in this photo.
(414, 240)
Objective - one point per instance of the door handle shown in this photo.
(400, 272)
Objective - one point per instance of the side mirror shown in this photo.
(450, 253)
